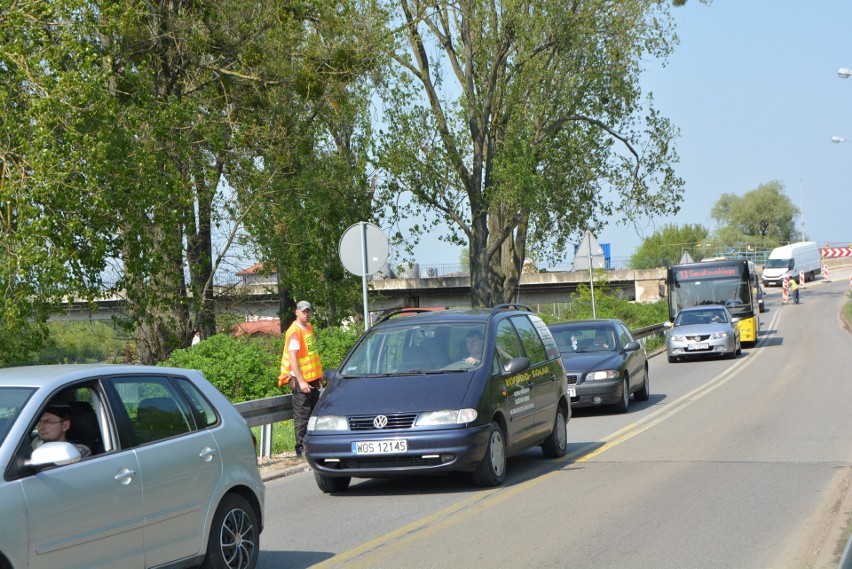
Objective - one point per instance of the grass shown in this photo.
(283, 437)
(847, 309)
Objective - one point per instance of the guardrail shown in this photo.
(264, 412)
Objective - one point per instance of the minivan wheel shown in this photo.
(554, 446)
(624, 402)
(234, 541)
(492, 468)
(330, 484)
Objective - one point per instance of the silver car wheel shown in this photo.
(234, 536)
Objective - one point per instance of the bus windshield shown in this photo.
(727, 283)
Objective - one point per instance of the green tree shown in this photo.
(133, 135)
(521, 125)
(666, 246)
(764, 216)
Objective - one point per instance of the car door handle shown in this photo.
(125, 476)
(207, 454)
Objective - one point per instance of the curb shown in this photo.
(290, 470)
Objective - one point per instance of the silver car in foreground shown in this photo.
(171, 481)
(706, 330)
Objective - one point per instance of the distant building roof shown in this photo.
(253, 270)
(269, 326)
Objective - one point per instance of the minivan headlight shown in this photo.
(602, 375)
(327, 423)
(446, 417)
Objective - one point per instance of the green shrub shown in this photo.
(241, 368)
(334, 344)
(247, 368)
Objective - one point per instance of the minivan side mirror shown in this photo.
(517, 365)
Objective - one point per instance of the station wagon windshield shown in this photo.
(417, 348)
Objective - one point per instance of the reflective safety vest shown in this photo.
(309, 360)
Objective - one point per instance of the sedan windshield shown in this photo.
(582, 339)
(692, 317)
(418, 348)
(12, 400)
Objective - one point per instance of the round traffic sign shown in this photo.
(363, 249)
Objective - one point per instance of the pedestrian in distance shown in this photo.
(301, 370)
(196, 339)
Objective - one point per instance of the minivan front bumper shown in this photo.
(429, 452)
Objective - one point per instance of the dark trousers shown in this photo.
(796, 296)
(303, 405)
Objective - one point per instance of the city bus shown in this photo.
(731, 282)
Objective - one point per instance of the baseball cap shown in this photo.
(303, 305)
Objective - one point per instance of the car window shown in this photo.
(624, 335)
(202, 411)
(508, 343)
(550, 347)
(153, 408)
(12, 400)
(530, 339)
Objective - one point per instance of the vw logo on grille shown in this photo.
(380, 422)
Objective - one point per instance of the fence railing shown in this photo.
(264, 412)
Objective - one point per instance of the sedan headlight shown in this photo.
(328, 423)
(678, 339)
(720, 335)
(446, 417)
(602, 375)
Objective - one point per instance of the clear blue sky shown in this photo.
(753, 87)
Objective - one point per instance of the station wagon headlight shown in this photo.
(602, 375)
(328, 423)
(719, 335)
(446, 417)
(678, 339)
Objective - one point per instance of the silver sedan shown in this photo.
(703, 331)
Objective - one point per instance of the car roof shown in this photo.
(46, 375)
(459, 315)
(610, 321)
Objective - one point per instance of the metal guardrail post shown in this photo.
(266, 440)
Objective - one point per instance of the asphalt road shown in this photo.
(742, 463)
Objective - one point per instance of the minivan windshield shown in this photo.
(12, 400)
(417, 347)
(779, 264)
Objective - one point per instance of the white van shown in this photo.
(789, 261)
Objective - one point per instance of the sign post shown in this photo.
(363, 251)
(589, 255)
